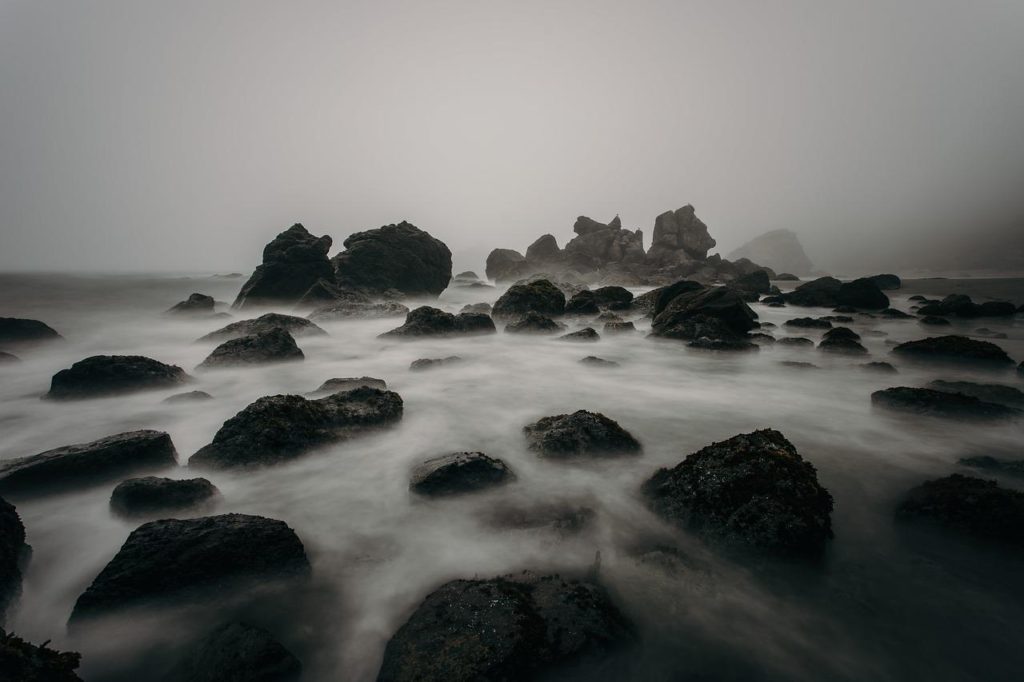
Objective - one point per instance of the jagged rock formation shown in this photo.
(292, 263)
(679, 237)
(778, 249)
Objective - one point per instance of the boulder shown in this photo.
(506, 265)
(973, 506)
(586, 335)
(100, 461)
(457, 473)
(21, 661)
(187, 397)
(668, 293)
(276, 345)
(594, 361)
(279, 428)
(886, 282)
(756, 282)
(717, 312)
(544, 252)
(925, 401)
(192, 559)
(296, 326)
(842, 340)
(533, 323)
(954, 349)
(820, 292)
(996, 309)
(237, 652)
(580, 434)
(1006, 467)
(567, 282)
(582, 303)
(196, 304)
(427, 321)
(484, 308)
(880, 367)
(292, 263)
(598, 246)
(433, 363)
(862, 293)
(16, 331)
(783, 276)
(794, 341)
(8, 358)
(780, 249)
(894, 314)
(540, 296)
(645, 302)
(13, 552)
(961, 305)
(992, 393)
(679, 236)
(935, 321)
(340, 384)
(107, 375)
(752, 491)
(152, 495)
(619, 327)
(524, 627)
(398, 257)
(808, 323)
(718, 342)
(613, 297)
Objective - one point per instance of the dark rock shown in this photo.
(934, 321)
(540, 296)
(954, 349)
(504, 629)
(1006, 467)
(533, 323)
(16, 331)
(796, 364)
(580, 434)
(155, 495)
(292, 263)
(594, 361)
(196, 304)
(894, 314)
(618, 327)
(918, 297)
(13, 551)
(808, 323)
(842, 344)
(587, 334)
(296, 326)
(960, 305)
(974, 506)
(992, 393)
(996, 309)
(761, 338)
(756, 282)
(431, 363)
(645, 302)
(669, 293)
(716, 312)
(483, 308)
(505, 265)
(774, 301)
(614, 298)
(925, 401)
(398, 257)
(862, 293)
(753, 490)
(844, 319)
(781, 249)
(679, 236)
(102, 460)
(188, 397)
(21, 661)
(886, 282)
(544, 251)
(340, 384)
(818, 292)
(598, 246)
(794, 341)
(427, 321)
(279, 428)
(718, 343)
(352, 309)
(108, 375)
(881, 367)
(192, 558)
(8, 358)
(582, 303)
(237, 652)
(276, 345)
(459, 472)
(1020, 369)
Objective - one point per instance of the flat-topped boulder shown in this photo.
(433, 363)
(237, 652)
(16, 331)
(954, 349)
(752, 491)
(428, 321)
(296, 326)
(808, 323)
(101, 376)
(150, 495)
(973, 506)
(339, 384)
(195, 304)
(458, 473)
(578, 435)
(539, 296)
(275, 345)
(399, 257)
(191, 559)
(275, 429)
(293, 262)
(13, 552)
(99, 461)
(932, 403)
(521, 627)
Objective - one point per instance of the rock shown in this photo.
(756, 282)
(917, 297)
(358, 310)
(16, 331)
(719, 343)
(427, 321)
(880, 367)
(292, 263)
(795, 364)
(21, 661)
(808, 323)
(992, 393)
(467, 275)
(276, 345)
(155, 495)
(484, 308)
(973, 506)
(566, 282)
(340, 384)
(533, 323)
(196, 304)
(619, 327)
(608, 316)
(398, 257)
(457, 473)
(296, 326)
(886, 282)
(587, 334)
(505, 265)
(862, 293)
(432, 363)
(540, 296)
(996, 309)
(613, 297)
(774, 301)
(1020, 369)
(582, 303)
(580, 434)
(784, 276)
(960, 305)
(668, 293)
(237, 652)
(821, 292)
(13, 552)
(761, 338)
(954, 349)
(187, 397)
(840, 344)
(989, 334)
(598, 246)
(717, 312)
(645, 302)
(594, 361)
(192, 559)
(894, 314)
(752, 491)
(544, 251)
(279, 428)
(8, 358)
(101, 460)
(845, 309)
(1007, 467)
(794, 341)
(679, 236)
(925, 401)
(779, 249)
(510, 628)
(934, 321)
(108, 375)
(844, 319)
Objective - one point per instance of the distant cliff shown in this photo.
(779, 250)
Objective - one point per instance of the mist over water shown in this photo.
(887, 602)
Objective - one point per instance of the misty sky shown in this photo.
(183, 135)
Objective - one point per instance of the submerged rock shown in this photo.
(21, 661)
(196, 304)
(993, 393)
(510, 628)
(191, 559)
(156, 495)
(279, 428)
(880, 367)
(8, 358)
(842, 340)
(427, 321)
(594, 361)
(108, 375)
(237, 652)
(293, 262)
(894, 314)
(925, 401)
(935, 321)
(717, 343)
(794, 341)
(533, 323)
(13, 551)
(431, 363)
(619, 327)
(398, 257)
(587, 334)
(974, 506)
(339, 384)
(580, 434)
(753, 491)
(954, 349)
(276, 345)
(16, 331)
(296, 326)
(101, 460)
(539, 296)
(459, 472)
(562, 517)
(187, 397)
(808, 323)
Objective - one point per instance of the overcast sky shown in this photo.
(183, 135)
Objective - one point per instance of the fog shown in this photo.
(142, 136)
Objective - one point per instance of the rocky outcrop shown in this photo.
(580, 434)
(292, 263)
(427, 321)
(279, 428)
(237, 652)
(992, 393)
(108, 375)
(296, 326)
(13, 551)
(196, 304)
(598, 246)
(544, 252)
(506, 265)
(679, 237)
(778, 249)
(276, 345)
(716, 313)
(533, 323)
(152, 495)
(973, 506)
(16, 331)
(522, 627)
(398, 257)
(958, 349)
(925, 401)
(458, 473)
(339, 384)
(21, 661)
(752, 491)
(540, 296)
(192, 559)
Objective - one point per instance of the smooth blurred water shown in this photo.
(886, 604)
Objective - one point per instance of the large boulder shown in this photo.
(778, 249)
(398, 257)
(16, 331)
(613, 297)
(13, 551)
(296, 326)
(276, 345)
(958, 349)
(582, 303)
(21, 661)
(544, 252)
(585, 335)
(539, 296)
(279, 428)
(973, 506)
(427, 321)
(100, 461)
(717, 312)
(580, 434)
(506, 265)
(457, 473)
(756, 282)
(818, 292)
(862, 293)
(151, 495)
(887, 282)
(751, 491)
(196, 304)
(192, 559)
(992, 393)
(107, 375)
(237, 652)
(292, 263)
(679, 237)
(505, 629)
(597, 246)
(658, 299)
(926, 401)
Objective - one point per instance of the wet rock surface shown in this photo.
(976, 507)
(428, 321)
(533, 323)
(293, 262)
(237, 652)
(993, 393)
(540, 296)
(717, 312)
(276, 345)
(340, 384)
(157, 495)
(459, 473)
(296, 326)
(109, 375)
(398, 257)
(585, 335)
(925, 401)
(580, 434)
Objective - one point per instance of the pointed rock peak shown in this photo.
(616, 223)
